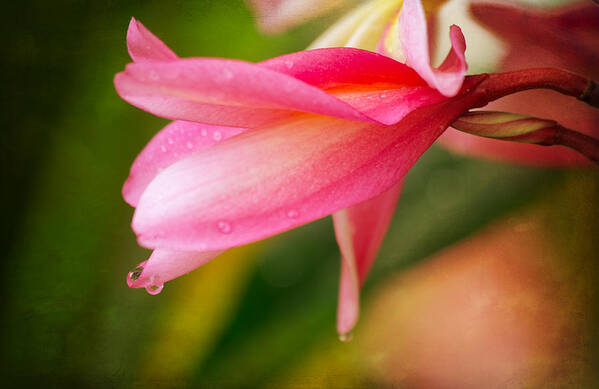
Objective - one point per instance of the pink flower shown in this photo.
(257, 149)
(564, 38)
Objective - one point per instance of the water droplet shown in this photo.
(204, 132)
(216, 135)
(163, 148)
(227, 74)
(346, 337)
(154, 76)
(170, 141)
(189, 145)
(383, 95)
(292, 214)
(135, 273)
(224, 227)
(154, 289)
(289, 64)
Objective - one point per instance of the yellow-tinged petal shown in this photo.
(361, 28)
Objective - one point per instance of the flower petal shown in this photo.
(449, 76)
(174, 142)
(275, 16)
(223, 92)
(341, 82)
(334, 67)
(281, 176)
(378, 87)
(164, 265)
(361, 28)
(360, 230)
(145, 46)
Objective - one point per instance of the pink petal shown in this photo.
(334, 67)
(448, 77)
(567, 38)
(223, 92)
(174, 142)
(164, 265)
(235, 93)
(360, 230)
(274, 16)
(377, 86)
(145, 46)
(281, 176)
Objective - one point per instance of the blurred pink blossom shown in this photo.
(566, 38)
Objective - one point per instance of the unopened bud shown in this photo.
(507, 126)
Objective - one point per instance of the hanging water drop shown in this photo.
(154, 289)
(216, 135)
(346, 337)
(224, 227)
(135, 273)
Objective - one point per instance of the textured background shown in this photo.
(487, 277)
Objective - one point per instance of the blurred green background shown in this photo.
(261, 315)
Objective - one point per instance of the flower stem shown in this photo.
(498, 85)
(584, 144)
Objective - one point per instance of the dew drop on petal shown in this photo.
(134, 274)
(170, 141)
(346, 337)
(216, 135)
(227, 74)
(189, 145)
(154, 76)
(224, 227)
(204, 132)
(292, 214)
(383, 95)
(154, 289)
(163, 148)
(289, 64)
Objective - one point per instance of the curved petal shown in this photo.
(377, 86)
(145, 46)
(448, 77)
(235, 93)
(223, 92)
(334, 67)
(164, 265)
(278, 177)
(174, 142)
(360, 230)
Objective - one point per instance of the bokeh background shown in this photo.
(487, 278)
